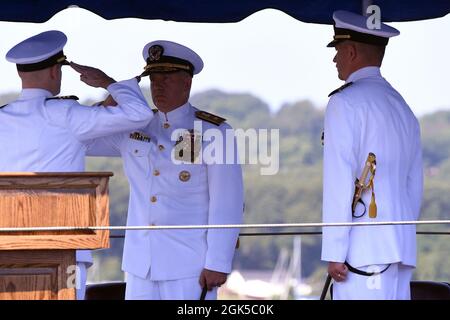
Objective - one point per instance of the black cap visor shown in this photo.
(55, 59)
(341, 34)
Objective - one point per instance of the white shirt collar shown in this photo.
(31, 93)
(176, 114)
(365, 72)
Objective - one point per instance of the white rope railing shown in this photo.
(226, 226)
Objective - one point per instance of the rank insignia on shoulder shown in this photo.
(64, 97)
(209, 117)
(139, 136)
(340, 88)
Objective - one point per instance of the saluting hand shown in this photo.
(338, 271)
(211, 279)
(92, 76)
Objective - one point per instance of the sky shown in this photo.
(269, 54)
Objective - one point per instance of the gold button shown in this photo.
(161, 147)
(156, 173)
(184, 175)
(153, 199)
(166, 125)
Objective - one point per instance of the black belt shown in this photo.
(363, 273)
(204, 291)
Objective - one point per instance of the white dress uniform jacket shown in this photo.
(41, 135)
(161, 194)
(371, 116)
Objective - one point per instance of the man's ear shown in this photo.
(188, 83)
(54, 71)
(352, 52)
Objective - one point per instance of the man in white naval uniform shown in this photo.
(177, 264)
(368, 115)
(43, 133)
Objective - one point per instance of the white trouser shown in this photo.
(182, 289)
(393, 284)
(81, 278)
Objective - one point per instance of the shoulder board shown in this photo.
(209, 117)
(155, 110)
(63, 97)
(340, 88)
(3, 106)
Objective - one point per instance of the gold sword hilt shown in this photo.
(361, 185)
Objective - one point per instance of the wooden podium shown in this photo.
(41, 264)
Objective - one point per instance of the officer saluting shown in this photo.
(367, 116)
(170, 184)
(44, 133)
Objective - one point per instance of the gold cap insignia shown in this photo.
(184, 175)
(155, 52)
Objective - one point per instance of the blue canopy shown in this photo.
(315, 11)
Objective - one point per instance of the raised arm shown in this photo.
(105, 146)
(132, 111)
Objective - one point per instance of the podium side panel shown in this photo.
(37, 275)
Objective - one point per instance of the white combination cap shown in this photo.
(168, 56)
(352, 26)
(39, 52)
